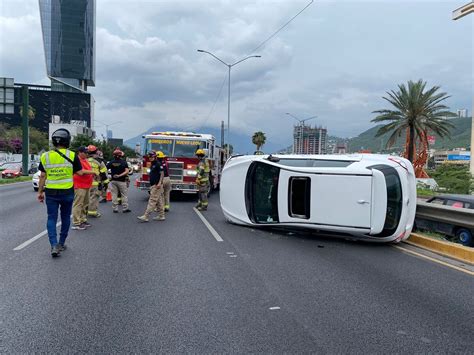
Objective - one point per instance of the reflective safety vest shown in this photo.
(97, 168)
(203, 171)
(59, 171)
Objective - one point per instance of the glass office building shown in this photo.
(69, 42)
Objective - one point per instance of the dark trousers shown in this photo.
(54, 204)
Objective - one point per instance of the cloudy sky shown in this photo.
(335, 60)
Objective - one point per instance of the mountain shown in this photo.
(460, 137)
(242, 143)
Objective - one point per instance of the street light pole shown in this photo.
(229, 66)
(301, 121)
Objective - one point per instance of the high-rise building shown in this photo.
(69, 43)
(462, 112)
(309, 140)
(109, 134)
(47, 105)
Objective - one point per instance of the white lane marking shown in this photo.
(229, 253)
(208, 225)
(36, 237)
(274, 308)
(233, 256)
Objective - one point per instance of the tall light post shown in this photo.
(301, 121)
(108, 125)
(229, 66)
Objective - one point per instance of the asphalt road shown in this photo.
(171, 287)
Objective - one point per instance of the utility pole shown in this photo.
(222, 134)
(25, 129)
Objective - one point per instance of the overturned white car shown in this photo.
(366, 196)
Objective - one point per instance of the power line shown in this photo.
(215, 101)
(282, 27)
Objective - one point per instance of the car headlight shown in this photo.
(191, 172)
(148, 170)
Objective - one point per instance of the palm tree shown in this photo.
(259, 139)
(417, 112)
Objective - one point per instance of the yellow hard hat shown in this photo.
(200, 152)
(160, 154)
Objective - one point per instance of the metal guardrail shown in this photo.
(462, 217)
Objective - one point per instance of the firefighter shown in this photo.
(202, 180)
(99, 180)
(166, 180)
(156, 190)
(119, 170)
(103, 193)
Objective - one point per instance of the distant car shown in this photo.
(452, 231)
(11, 172)
(364, 196)
(35, 180)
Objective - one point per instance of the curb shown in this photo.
(452, 250)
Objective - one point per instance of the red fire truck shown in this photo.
(180, 148)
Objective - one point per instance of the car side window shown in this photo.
(452, 203)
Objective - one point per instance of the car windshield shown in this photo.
(163, 145)
(187, 148)
(262, 193)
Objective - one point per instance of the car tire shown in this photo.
(464, 236)
(35, 188)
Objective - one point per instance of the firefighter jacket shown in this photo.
(100, 171)
(203, 171)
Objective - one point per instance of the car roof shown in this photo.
(458, 197)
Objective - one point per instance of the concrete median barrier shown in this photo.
(452, 250)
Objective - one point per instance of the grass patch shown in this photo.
(13, 180)
(425, 193)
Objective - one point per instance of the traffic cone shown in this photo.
(108, 196)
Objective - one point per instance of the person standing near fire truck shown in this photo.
(100, 178)
(202, 180)
(103, 193)
(119, 170)
(156, 190)
(166, 180)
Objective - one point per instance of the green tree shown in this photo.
(11, 139)
(417, 112)
(102, 145)
(259, 139)
(453, 178)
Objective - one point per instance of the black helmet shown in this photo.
(61, 137)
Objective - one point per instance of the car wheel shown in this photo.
(464, 236)
(35, 188)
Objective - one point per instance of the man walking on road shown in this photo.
(57, 167)
(202, 180)
(119, 170)
(100, 179)
(166, 180)
(156, 190)
(82, 185)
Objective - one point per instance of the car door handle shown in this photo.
(362, 202)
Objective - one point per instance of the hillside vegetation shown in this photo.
(460, 137)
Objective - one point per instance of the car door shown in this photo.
(328, 199)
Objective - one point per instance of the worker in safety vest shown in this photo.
(57, 167)
(100, 179)
(202, 180)
(166, 180)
